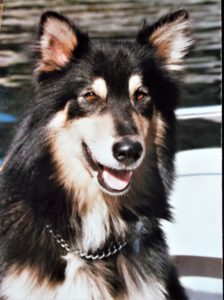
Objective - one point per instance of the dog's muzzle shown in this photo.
(115, 180)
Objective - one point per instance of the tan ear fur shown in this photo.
(171, 41)
(57, 43)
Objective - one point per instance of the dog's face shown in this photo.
(114, 99)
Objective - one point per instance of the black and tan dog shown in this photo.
(87, 178)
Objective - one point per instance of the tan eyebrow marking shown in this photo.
(135, 82)
(99, 86)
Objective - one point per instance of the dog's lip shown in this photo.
(113, 181)
(88, 156)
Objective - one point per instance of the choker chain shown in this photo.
(98, 256)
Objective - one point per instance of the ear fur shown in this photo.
(58, 40)
(169, 37)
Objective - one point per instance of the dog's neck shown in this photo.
(106, 243)
(106, 252)
(100, 221)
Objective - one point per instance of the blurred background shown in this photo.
(116, 20)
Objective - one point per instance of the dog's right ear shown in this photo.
(59, 41)
(170, 37)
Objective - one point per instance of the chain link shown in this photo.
(61, 242)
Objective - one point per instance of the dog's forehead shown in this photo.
(115, 66)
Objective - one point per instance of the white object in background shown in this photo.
(211, 112)
(197, 207)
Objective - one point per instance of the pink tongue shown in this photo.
(117, 180)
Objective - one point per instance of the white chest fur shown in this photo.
(79, 284)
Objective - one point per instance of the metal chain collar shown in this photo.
(62, 243)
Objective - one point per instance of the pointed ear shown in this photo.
(169, 37)
(59, 39)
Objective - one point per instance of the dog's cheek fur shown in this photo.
(97, 212)
(165, 142)
(142, 124)
(66, 137)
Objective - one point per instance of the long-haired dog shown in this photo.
(87, 178)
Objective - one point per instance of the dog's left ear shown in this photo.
(59, 40)
(169, 37)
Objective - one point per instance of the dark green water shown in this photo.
(119, 20)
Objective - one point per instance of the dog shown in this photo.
(88, 175)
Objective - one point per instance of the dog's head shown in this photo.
(112, 101)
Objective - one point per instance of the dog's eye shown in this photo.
(90, 97)
(140, 95)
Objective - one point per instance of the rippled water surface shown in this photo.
(117, 20)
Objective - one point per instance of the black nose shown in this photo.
(127, 150)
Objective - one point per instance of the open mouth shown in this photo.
(111, 181)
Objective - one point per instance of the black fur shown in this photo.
(30, 194)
